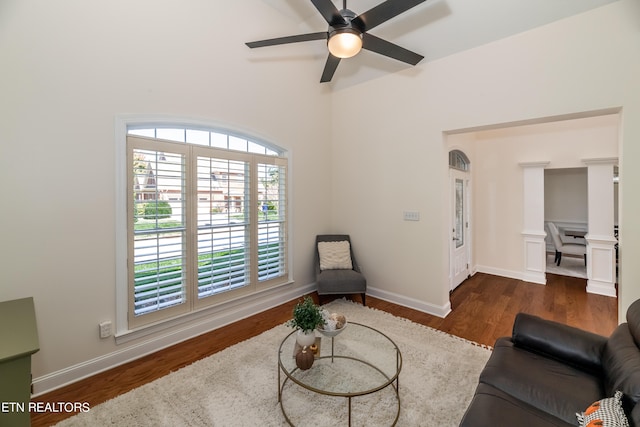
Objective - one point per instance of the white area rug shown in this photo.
(238, 386)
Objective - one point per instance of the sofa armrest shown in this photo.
(570, 345)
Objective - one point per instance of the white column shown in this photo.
(601, 242)
(533, 234)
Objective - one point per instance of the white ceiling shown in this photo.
(435, 29)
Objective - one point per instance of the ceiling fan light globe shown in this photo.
(345, 44)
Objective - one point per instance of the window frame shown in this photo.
(125, 328)
(458, 160)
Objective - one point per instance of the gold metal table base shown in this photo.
(392, 381)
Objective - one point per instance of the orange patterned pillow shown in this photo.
(604, 413)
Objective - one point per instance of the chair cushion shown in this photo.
(573, 249)
(335, 255)
(341, 282)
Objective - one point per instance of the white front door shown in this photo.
(460, 245)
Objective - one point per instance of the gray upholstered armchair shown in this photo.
(337, 272)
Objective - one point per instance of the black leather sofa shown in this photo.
(546, 372)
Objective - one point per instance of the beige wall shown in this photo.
(582, 64)
(68, 72)
(565, 195)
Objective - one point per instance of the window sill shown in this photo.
(198, 322)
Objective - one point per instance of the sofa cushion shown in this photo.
(491, 407)
(633, 320)
(565, 343)
(605, 412)
(621, 364)
(553, 387)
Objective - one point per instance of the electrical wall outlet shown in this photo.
(105, 329)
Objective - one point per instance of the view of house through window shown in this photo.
(207, 220)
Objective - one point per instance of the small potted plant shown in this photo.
(306, 317)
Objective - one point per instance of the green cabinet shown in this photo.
(18, 341)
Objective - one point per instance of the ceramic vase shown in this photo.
(305, 338)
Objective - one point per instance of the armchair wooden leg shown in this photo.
(559, 257)
(364, 302)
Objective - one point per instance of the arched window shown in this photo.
(206, 219)
(458, 160)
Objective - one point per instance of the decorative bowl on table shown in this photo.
(334, 323)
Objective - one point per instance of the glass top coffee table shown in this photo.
(357, 362)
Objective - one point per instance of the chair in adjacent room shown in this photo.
(565, 248)
(337, 272)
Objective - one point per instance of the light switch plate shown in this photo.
(411, 216)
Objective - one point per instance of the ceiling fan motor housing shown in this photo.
(347, 25)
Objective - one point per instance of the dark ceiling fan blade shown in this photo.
(329, 12)
(383, 47)
(383, 12)
(289, 39)
(329, 68)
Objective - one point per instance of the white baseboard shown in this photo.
(601, 288)
(531, 277)
(220, 318)
(440, 311)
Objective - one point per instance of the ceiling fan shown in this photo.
(348, 33)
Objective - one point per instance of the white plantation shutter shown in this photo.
(205, 224)
(157, 251)
(224, 245)
(272, 237)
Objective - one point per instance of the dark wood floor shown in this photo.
(483, 309)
